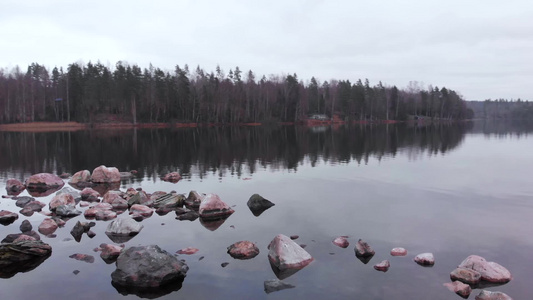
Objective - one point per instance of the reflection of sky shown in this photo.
(473, 200)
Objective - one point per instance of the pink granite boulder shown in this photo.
(14, 187)
(467, 276)
(80, 177)
(285, 254)
(425, 259)
(114, 198)
(140, 211)
(110, 252)
(214, 208)
(48, 226)
(7, 217)
(103, 174)
(489, 271)
(383, 266)
(90, 195)
(44, 181)
(61, 199)
(243, 250)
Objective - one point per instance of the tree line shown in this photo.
(95, 92)
(502, 109)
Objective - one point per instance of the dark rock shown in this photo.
(79, 229)
(214, 208)
(362, 249)
(169, 201)
(25, 226)
(76, 272)
(224, 264)
(425, 259)
(23, 201)
(83, 257)
(243, 250)
(294, 237)
(194, 199)
(213, 224)
(147, 267)
(14, 187)
(398, 252)
(383, 266)
(67, 211)
(467, 276)
(34, 206)
(285, 254)
(173, 177)
(43, 181)
(488, 295)
(7, 217)
(190, 215)
(275, 285)
(47, 226)
(459, 288)
(140, 197)
(91, 234)
(341, 241)
(22, 256)
(163, 210)
(258, 204)
(490, 271)
(103, 174)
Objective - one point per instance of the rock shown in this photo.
(22, 256)
(83, 257)
(7, 217)
(467, 276)
(140, 198)
(91, 234)
(25, 226)
(90, 195)
(425, 259)
(341, 241)
(190, 215)
(224, 264)
(80, 177)
(67, 211)
(84, 203)
(103, 174)
(156, 195)
(187, 251)
(459, 288)
(275, 285)
(110, 252)
(105, 215)
(61, 199)
(141, 210)
(123, 229)
(66, 190)
(147, 267)
(382, 266)
(285, 254)
(214, 208)
(116, 201)
(47, 226)
(169, 201)
(34, 206)
(76, 272)
(243, 250)
(294, 237)
(362, 249)
(64, 175)
(172, 177)
(14, 186)
(24, 237)
(194, 200)
(398, 252)
(44, 181)
(23, 201)
(163, 210)
(258, 204)
(490, 271)
(79, 229)
(487, 295)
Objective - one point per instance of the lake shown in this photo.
(450, 189)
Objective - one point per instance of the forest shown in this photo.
(502, 109)
(93, 92)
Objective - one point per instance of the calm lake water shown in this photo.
(453, 190)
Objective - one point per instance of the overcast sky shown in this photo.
(480, 48)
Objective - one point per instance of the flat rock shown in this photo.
(425, 259)
(243, 250)
(459, 288)
(214, 208)
(383, 266)
(284, 254)
(22, 256)
(398, 252)
(363, 249)
(7, 217)
(44, 181)
(103, 174)
(467, 276)
(257, 204)
(169, 201)
(83, 257)
(147, 267)
(341, 241)
(488, 295)
(275, 285)
(490, 271)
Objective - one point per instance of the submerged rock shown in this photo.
(83, 257)
(44, 181)
(488, 295)
(243, 250)
(425, 259)
(22, 256)
(341, 241)
(187, 251)
(383, 266)
(258, 204)
(284, 254)
(398, 252)
(103, 174)
(363, 249)
(459, 288)
(275, 285)
(7, 217)
(214, 208)
(148, 267)
(489, 271)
